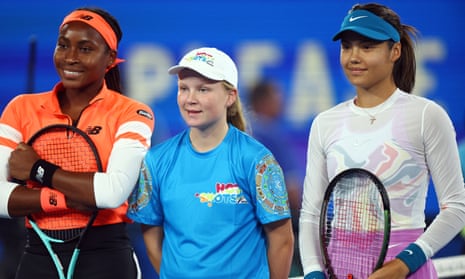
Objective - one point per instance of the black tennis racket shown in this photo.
(355, 224)
(72, 150)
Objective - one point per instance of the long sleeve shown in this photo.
(444, 165)
(314, 186)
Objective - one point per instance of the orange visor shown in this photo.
(97, 22)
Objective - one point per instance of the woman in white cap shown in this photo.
(212, 200)
(408, 140)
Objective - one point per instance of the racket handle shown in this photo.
(57, 262)
(72, 263)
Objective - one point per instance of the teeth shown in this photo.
(70, 73)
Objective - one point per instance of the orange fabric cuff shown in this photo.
(52, 200)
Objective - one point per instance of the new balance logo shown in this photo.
(95, 130)
(52, 199)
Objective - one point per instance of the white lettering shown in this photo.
(147, 73)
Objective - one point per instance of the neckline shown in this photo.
(372, 112)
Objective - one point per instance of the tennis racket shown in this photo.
(72, 150)
(355, 224)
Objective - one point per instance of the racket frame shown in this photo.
(323, 215)
(47, 240)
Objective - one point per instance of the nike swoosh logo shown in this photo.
(409, 252)
(355, 18)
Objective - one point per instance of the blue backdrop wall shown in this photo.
(287, 41)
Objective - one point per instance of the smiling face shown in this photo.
(203, 102)
(368, 64)
(81, 57)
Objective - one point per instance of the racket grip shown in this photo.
(72, 263)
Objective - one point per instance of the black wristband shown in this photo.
(42, 172)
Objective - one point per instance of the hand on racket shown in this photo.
(72, 150)
(394, 269)
(355, 225)
(21, 161)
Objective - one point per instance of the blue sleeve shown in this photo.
(270, 188)
(144, 202)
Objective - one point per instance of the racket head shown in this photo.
(72, 150)
(349, 237)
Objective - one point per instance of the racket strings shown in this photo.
(354, 227)
(65, 235)
(69, 219)
(72, 152)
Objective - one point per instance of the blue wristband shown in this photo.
(413, 257)
(315, 275)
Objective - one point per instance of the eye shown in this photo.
(61, 45)
(345, 45)
(85, 49)
(204, 89)
(368, 46)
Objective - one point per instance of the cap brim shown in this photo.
(176, 69)
(364, 32)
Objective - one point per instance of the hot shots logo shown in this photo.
(203, 57)
(225, 193)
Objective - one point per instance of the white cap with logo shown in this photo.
(211, 63)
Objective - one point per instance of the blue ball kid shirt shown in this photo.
(212, 205)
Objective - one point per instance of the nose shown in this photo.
(354, 56)
(186, 96)
(71, 56)
(191, 96)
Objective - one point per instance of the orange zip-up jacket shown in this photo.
(109, 117)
